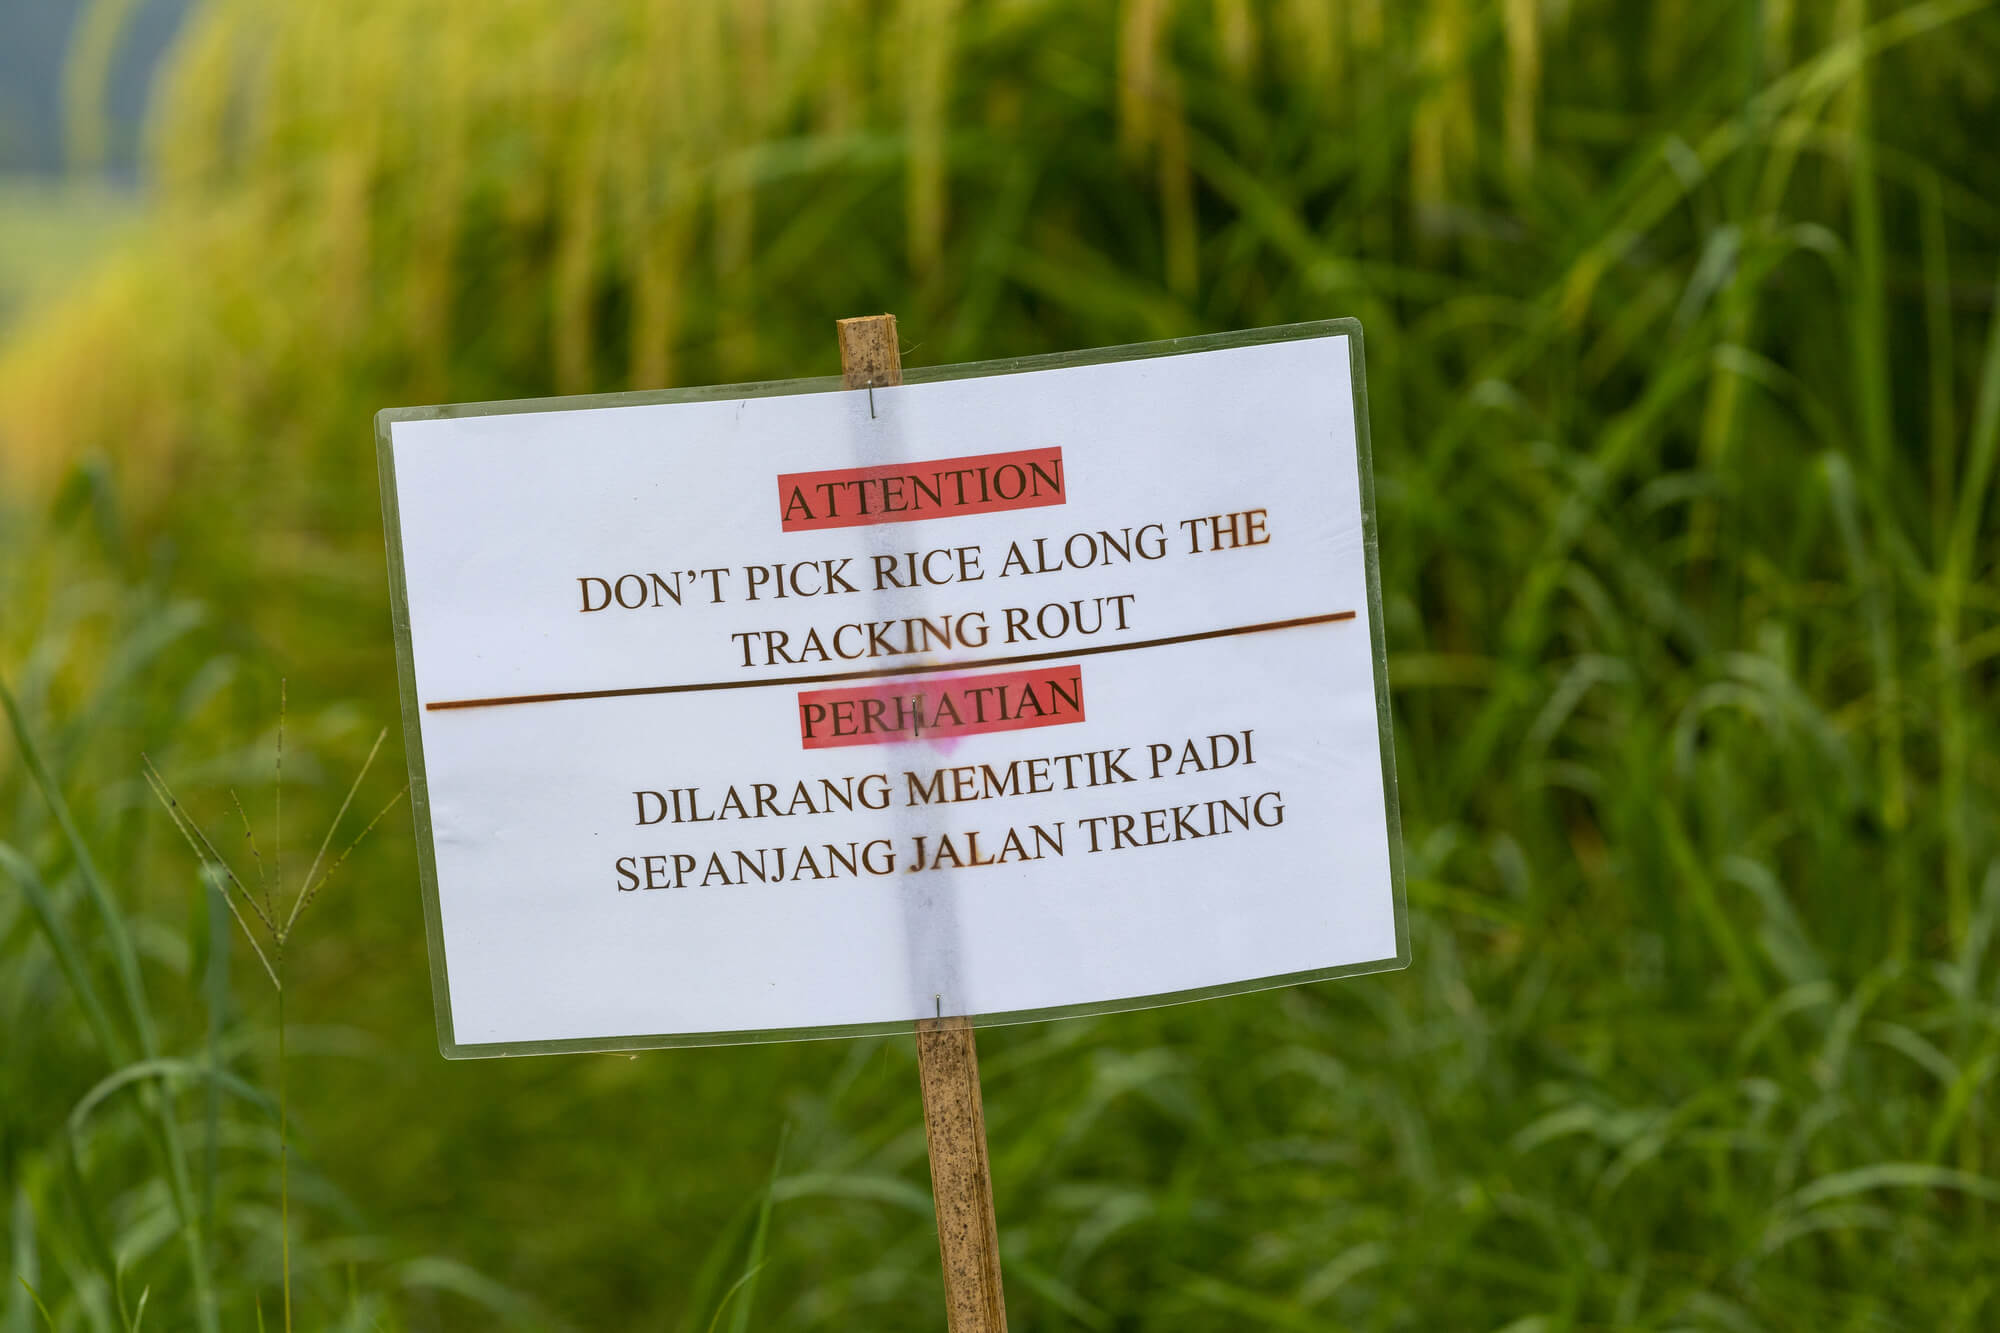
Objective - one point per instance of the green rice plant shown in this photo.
(148, 1175)
(1684, 377)
(135, 1051)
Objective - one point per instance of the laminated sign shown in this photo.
(1016, 690)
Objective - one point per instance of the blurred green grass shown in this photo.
(1685, 387)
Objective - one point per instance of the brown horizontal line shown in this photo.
(829, 677)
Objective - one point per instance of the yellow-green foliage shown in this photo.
(1684, 378)
(454, 198)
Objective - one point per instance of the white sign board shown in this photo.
(1023, 690)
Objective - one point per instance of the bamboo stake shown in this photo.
(961, 1179)
(947, 1056)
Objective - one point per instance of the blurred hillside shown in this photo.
(74, 79)
(1684, 358)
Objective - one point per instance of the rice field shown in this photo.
(1684, 349)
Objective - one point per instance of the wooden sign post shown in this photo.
(947, 1054)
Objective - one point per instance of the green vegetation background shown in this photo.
(1685, 379)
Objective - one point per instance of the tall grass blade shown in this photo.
(741, 1281)
(96, 1250)
(141, 1071)
(436, 1274)
(123, 954)
(753, 1258)
(69, 958)
(26, 1264)
(48, 1319)
(215, 997)
(1953, 584)
(307, 888)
